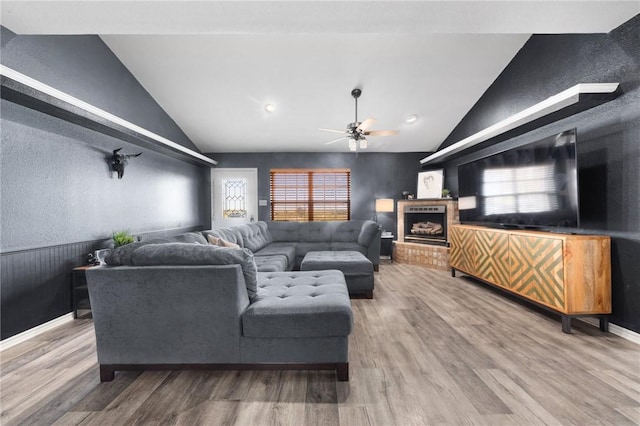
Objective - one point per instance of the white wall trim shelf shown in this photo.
(24, 90)
(571, 101)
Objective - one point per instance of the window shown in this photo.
(235, 197)
(307, 195)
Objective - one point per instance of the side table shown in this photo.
(386, 246)
(79, 290)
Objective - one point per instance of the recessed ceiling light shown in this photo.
(411, 119)
(269, 107)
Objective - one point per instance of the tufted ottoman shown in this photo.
(312, 308)
(356, 267)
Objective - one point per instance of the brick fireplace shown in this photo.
(422, 232)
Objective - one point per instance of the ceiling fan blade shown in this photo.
(332, 130)
(336, 140)
(366, 124)
(382, 133)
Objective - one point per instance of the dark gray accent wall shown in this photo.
(373, 175)
(608, 138)
(57, 187)
(58, 194)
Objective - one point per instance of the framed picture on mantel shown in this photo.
(430, 184)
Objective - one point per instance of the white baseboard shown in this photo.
(33, 332)
(625, 333)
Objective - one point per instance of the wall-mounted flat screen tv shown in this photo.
(530, 186)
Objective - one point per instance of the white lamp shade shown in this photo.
(384, 205)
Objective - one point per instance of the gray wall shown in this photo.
(56, 184)
(373, 175)
(56, 187)
(608, 138)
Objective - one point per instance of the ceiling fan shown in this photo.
(357, 132)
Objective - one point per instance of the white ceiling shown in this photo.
(214, 65)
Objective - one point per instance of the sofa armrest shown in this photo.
(167, 314)
(369, 237)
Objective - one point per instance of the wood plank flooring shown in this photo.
(427, 350)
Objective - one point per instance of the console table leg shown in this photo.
(604, 323)
(566, 324)
(453, 272)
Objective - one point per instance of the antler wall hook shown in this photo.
(118, 161)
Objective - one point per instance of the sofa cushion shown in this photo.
(347, 246)
(284, 231)
(346, 231)
(284, 249)
(303, 248)
(349, 262)
(299, 304)
(312, 232)
(255, 235)
(196, 254)
(189, 237)
(275, 263)
(121, 256)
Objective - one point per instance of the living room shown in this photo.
(60, 201)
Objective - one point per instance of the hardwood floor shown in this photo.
(428, 349)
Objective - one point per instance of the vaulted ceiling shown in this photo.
(214, 65)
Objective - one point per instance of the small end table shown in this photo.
(386, 246)
(79, 290)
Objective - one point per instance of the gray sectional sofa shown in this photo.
(280, 246)
(181, 302)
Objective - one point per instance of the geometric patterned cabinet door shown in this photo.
(537, 269)
(570, 274)
(492, 258)
(482, 254)
(461, 255)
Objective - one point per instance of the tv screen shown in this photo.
(529, 186)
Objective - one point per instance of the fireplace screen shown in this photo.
(426, 224)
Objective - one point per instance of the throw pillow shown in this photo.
(220, 242)
(228, 244)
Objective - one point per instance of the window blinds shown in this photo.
(306, 195)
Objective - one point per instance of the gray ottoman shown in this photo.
(357, 269)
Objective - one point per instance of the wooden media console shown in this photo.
(568, 274)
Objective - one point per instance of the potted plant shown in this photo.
(446, 193)
(121, 238)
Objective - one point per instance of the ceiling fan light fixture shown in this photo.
(269, 107)
(411, 119)
(357, 130)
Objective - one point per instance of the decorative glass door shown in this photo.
(235, 196)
